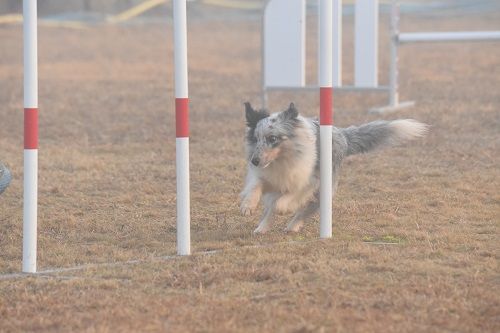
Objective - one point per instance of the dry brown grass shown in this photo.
(107, 184)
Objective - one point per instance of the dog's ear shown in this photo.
(253, 116)
(290, 114)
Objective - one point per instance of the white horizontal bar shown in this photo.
(454, 36)
(392, 108)
(335, 89)
(151, 259)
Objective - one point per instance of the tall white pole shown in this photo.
(30, 136)
(326, 116)
(182, 127)
(394, 65)
(337, 43)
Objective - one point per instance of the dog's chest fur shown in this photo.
(295, 169)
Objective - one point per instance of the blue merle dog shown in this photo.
(283, 159)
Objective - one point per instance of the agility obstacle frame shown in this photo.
(398, 39)
(283, 39)
(283, 54)
(182, 128)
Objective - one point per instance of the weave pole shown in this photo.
(182, 127)
(326, 116)
(337, 43)
(30, 136)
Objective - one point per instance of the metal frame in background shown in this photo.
(398, 39)
(337, 67)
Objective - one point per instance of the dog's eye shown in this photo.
(272, 139)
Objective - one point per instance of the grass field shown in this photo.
(415, 245)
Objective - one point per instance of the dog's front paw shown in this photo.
(246, 210)
(248, 206)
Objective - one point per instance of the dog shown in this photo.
(282, 151)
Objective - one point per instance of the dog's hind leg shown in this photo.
(269, 208)
(298, 219)
(312, 207)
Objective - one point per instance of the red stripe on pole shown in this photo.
(30, 128)
(182, 117)
(326, 106)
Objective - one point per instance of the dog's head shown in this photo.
(268, 136)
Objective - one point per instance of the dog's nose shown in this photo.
(255, 161)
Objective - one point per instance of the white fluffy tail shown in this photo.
(408, 129)
(380, 134)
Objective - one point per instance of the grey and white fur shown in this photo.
(283, 159)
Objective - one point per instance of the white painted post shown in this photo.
(366, 43)
(394, 65)
(337, 43)
(284, 43)
(326, 116)
(182, 128)
(30, 136)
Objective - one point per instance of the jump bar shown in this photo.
(335, 89)
(425, 37)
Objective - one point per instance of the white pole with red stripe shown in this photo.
(326, 116)
(337, 43)
(30, 136)
(182, 127)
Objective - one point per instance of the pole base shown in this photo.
(392, 108)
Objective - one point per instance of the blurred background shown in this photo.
(99, 10)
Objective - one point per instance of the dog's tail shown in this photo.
(380, 134)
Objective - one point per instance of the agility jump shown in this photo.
(283, 55)
(398, 39)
